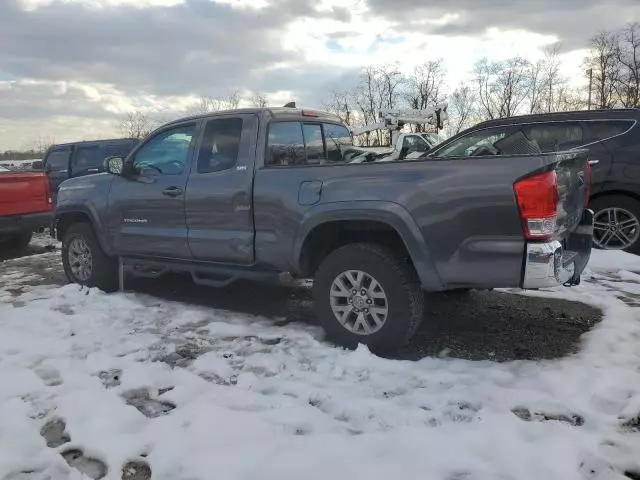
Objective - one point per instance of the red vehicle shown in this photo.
(25, 206)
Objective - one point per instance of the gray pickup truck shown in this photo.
(254, 193)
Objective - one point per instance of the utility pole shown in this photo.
(590, 73)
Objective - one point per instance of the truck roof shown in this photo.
(273, 112)
(94, 142)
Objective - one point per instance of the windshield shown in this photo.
(4, 169)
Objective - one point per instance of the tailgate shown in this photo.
(574, 182)
(23, 192)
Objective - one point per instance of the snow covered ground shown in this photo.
(175, 391)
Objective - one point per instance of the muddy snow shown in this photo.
(136, 387)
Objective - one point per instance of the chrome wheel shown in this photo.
(80, 260)
(615, 228)
(359, 302)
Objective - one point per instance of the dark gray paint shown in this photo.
(457, 217)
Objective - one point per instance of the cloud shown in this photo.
(573, 22)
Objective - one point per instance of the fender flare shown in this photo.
(87, 209)
(393, 214)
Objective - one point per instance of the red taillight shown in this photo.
(537, 198)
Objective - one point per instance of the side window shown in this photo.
(220, 145)
(58, 161)
(336, 136)
(477, 143)
(118, 149)
(167, 153)
(555, 136)
(285, 144)
(87, 157)
(313, 143)
(603, 130)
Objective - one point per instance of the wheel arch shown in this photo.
(329, 226)
(66, 217)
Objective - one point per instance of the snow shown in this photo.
(253, 400)
(613, 260)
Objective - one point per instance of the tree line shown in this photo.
(499, 89)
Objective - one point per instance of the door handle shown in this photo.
(594, 162)
(172, 192)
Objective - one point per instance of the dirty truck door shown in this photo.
(146, 207)
(219, 196)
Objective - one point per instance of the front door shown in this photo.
(219, 195)
(146, 205)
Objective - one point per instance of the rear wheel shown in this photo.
(365, 293)
(616, 223)
(85, 262)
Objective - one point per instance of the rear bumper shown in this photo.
(30, 222)
(555, 263)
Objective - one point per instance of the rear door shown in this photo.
(56, 166)
(87, 160)
(147, 208)
(600, 139)
(219, 193)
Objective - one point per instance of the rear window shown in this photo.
(555, 136)
(87, 157)
(297, 143)
(220, 145)
(603, 130)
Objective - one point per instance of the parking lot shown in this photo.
(134, 382)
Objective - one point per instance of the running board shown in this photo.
(215, 275)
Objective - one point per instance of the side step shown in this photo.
(214, 275)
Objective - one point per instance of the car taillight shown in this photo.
(537, 198)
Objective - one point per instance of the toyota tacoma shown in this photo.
(254, 193)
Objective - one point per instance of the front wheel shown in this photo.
(616, 223)
(85, 262)
(365, 293)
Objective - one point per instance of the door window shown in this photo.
(220, 145)
(167, 153)
(477, 143)
(58, 161)
(313, 143)
(88, 157)
(286, 144)
(555, 136)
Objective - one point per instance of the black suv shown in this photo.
(69, 160)
(612, 138)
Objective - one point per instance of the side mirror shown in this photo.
(114, 165)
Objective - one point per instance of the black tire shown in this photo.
(104, 269)
(397, 278)
(619, 201)
(19, 242)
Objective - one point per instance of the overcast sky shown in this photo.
(70, 69)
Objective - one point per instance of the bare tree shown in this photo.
(462, 109)
(502, 87)
(425, 88)
(207, 103)
(337, 102)
(137, 125)
(628, 81)
(603, 62)
(258, 100)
